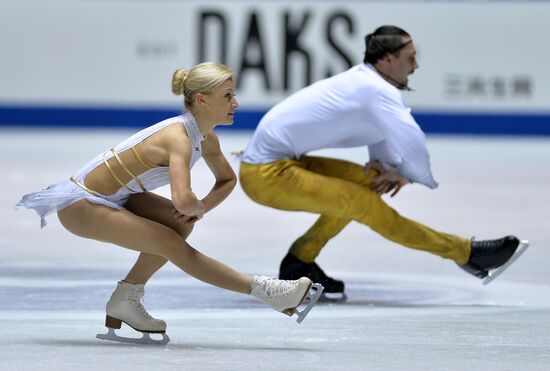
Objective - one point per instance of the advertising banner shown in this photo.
(481, 63)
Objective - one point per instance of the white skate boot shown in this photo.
(125, 306)
(285, 296)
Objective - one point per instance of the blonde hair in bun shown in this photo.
(203, 78)
(178, 81)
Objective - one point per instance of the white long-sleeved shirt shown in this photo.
(354, 108)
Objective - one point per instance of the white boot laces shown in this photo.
(277, 288)
(135, 298)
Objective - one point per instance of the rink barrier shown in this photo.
(487, 123)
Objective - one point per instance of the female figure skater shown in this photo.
(109, 200)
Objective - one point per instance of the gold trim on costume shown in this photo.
(81, 185)
(135, 152)
(117, 157)
(106, 162)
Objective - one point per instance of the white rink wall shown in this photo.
(479, 60)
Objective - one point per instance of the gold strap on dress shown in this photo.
(117, 157)
(135, 152)
(81, 185)
(114, 175)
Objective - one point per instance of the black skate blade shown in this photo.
(523, 245)
(333, 297)
(313, 295)
(145, 339)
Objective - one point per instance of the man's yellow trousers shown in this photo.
(339, 191)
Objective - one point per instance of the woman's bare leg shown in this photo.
(123, 228)
(143, 269)
(159, 209)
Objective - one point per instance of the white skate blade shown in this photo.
(145, 339)
(313, 295)
(523, 245)
(333, 297)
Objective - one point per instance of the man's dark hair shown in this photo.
(385, 39)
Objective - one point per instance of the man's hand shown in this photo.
(386, 180)
(376, 166)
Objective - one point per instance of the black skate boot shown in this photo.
(488, 255)
(293, 268)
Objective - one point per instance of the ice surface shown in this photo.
(407, 310)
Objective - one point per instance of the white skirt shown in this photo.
(62, 194)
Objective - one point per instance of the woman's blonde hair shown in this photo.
(203, 78)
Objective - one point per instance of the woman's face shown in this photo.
(222, 104)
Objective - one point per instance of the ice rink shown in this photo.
(407, 310)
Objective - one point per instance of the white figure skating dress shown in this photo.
(66, 192)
